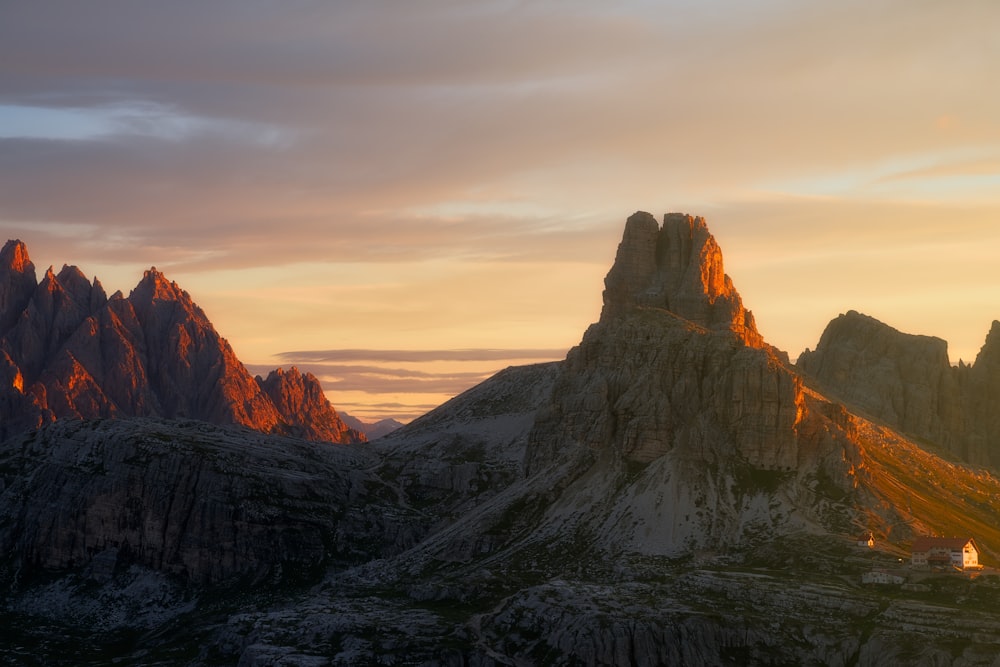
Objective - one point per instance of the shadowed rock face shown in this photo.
(675, 361)
(70, 351)
(203, 502)
(678, 426)
(17, 282)
(907, 382)
(645, 383)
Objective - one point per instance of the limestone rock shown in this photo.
(70, 351)
(674, 362)
(194, 371)
(678, 425)
(202, 502)
(677, 267)
(674, 438)
(302, 405)
(904, 379)
(473, 446)
(907, 382)
(981, 391)
(645, 383)
(17, 282)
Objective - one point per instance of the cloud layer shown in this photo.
(455, 174)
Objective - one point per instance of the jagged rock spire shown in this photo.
(300, 400)
(988, 359)
(17, 282)
(677, 267)
(14, 257)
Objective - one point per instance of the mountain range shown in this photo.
(67, 350)
(674, 492)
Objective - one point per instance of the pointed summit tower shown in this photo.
(677, 267)
(675, 363)
(17, 283)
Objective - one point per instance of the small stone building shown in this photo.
(882, 577)
(958, 552)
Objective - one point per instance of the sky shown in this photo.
(403, 198)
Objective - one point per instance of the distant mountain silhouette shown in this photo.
(374, 429)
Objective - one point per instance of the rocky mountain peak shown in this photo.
(17, 282)
(66, 350)
(901, 377)
(14, 257)
(155, 286)
(676, 267)
(675, 363)
(168, 312)
(72, 278)
(908, 382)
(989, 354)
(85, 292)
(300, 400)
(49, 280)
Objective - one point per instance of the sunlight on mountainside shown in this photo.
(925, 493)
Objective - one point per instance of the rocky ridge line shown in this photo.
(907, 382)
(68, 350)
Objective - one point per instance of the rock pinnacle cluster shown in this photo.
(67, 350)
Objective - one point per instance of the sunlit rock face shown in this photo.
(194, 370)
(300, 401)
(68, 350)
(677, 267)
(908, 382)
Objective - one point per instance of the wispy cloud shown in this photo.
(384, 380)
(383, 112)
(419, 356)
(465, 167)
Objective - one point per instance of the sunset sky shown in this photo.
(403, 197)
